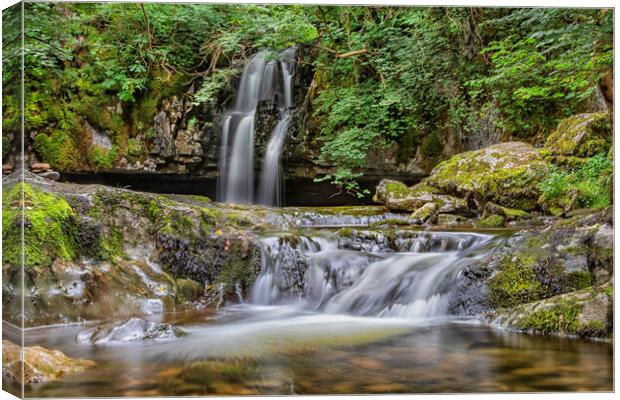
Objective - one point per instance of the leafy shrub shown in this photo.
(583, 186)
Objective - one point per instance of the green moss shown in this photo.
(397, 189)
(188, 290)
(582, 135)
(578, 280)
(201, 199)
(50, 228)
(58, 149)
(515, 282)
(6, 145)
(103, 158)
(236, 270)
(135, 149)
(492, 221)
(562, 317)
(111, 245)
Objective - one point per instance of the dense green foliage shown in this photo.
(421, 77)
(585, 185)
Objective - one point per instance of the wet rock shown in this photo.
(449, 219)
(600, 254)
(507, 174)
(492, 221)
(509, 214)
(51, 175)
(425, 213)
(40, 364)
(586, 312)
(537, 264)
(582, 135)
(134, 329)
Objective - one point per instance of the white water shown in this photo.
(258, 82)
(319, 274)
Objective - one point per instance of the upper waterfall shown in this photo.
(261, 80)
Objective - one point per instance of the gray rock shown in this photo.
(51, 175)
(134, 329)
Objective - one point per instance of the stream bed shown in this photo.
(282, 350)
(333, 311)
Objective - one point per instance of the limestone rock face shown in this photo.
(582, 135)
(507, 174)
(40, 364)
(176, 140)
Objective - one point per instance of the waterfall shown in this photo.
(236, 170)
(269, 190)
(327, 275)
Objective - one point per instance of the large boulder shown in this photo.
(399, 197)
(507, 174)
(582, 135)
(40, 364)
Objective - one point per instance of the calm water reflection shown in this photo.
(279, 350)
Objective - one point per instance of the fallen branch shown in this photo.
(352, 53)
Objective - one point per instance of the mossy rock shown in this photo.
(584, 313)
(188, 290)
(40, 364)
(50, 227)
(582, 135)
(507, 174)
(399, 197)
(509, 214)
(492, 221)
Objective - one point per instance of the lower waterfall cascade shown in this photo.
(366, 277)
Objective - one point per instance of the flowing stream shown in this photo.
(334, 310)
(261, 80)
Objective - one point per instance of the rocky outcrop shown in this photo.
(582, 135)
(39, 365)
(568, 256)
(134, 329)
(588, 312)
(93, 251)
(425, 201)
(499, 182)
(507, 174)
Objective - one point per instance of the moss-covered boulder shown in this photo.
(399, 197)
(507, 174)
(586, 312)
(40, 364)
(582, 135)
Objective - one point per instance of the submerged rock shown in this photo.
(40, 364)
(582, 135)
(507, 174)
(134, 329)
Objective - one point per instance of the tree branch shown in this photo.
(352, 53)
